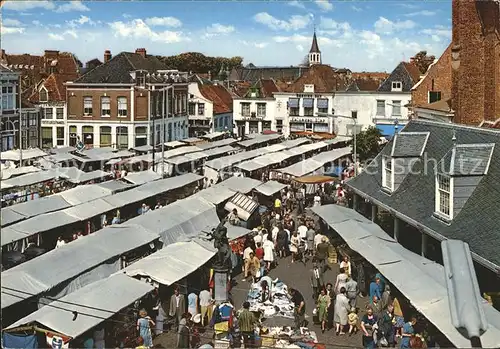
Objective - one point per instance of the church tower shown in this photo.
(314, 52)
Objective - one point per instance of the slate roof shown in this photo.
(253, 73)
(314, 45)
(477, 221)
(409, 144)
(407, 73)
(264, 87)
(117, 69)
(324, 79)
(467, 160)
(220, 97)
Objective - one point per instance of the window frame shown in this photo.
(397, 86)
(40, 99)
(60, 109)
(122, 113)
(243, 108)
(51, 113)
(388, 173)
(86, 110)
(193, 106)
(438, 94)
(201, 109)
(261, 106)
(394, 108)
(441, 193)
(379, 108)
(60, 140)
(103, 98)
(107, 135)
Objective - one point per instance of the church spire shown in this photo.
(314, 52)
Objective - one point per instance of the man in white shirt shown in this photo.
(258, 239)
(246, 259)
(302, 229)
(60, 242)
(206, 306)
(317, 239)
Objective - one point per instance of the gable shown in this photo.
(400, 74)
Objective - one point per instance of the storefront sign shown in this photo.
(52, 122)
(310, 119)
(56, 342)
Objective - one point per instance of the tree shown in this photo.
(368, 143)
(305, 60)
(422, 61)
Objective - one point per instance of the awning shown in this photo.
(259, 139)
(270, 188)
(308, 103)
(216, 194)
(17, 171)
(35, 207)
(241, 184)
(417, 278)
(94, 304)
(142, 177)
(315, 163)
(213, 135)
(171, 263)
(27, 154)
(235, 231)
(388, 130)
(322, 103)
(216, 144)
(314, 179)
(293, 102)
(243, 204)
(49, 270)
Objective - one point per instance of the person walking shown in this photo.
(177, 305)
(206, 306)
(268, 254)
(322, 253)
(299, 307)
(310, 234)
(367, 323)
(246, 323)
(144, 324)
(317, 281)
(342, 309)
(183, 331)
(341, 280)
(323, 304)
(352, 289)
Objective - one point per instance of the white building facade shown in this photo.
(200, 111)
(254, 115)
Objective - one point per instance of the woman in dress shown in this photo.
(342, 308)
(341, 280)
(346, 264)
(323, 304)
(144, 324)
(268, 247)
(294, 245)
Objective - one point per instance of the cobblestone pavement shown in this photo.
(295, 275)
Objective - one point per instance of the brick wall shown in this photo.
(476, 82)
(75, 104)
(437, 78)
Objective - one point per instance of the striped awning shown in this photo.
(308, 103)
(293, 103)
(322, 103)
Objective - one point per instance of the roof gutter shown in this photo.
(486, 263)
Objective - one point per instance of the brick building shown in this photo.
(463, 86)
(121, 102)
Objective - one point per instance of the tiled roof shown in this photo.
(477, 221)
(117, 69)
(220, 97)
(443, 105)
(406, 73)
(253, 73)
(240, 89)
(409, 144)
(55, 87)
(467, 160)
(370, 75)
(323, 77)
(364, 84)
(265, 87)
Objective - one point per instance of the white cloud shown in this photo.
(163, 22)
(28, 5)
(424, 13)
(324, 5)
(295, 22)
(36, 23)
(11, 30)
(331, 24)
(296, 4)
(9, 22)
(57, 37)
(74, 23)
(71, 33)
(356, 8)
(438, 31)
(138, 29)
(300, 48)
(72, 6)
(385, 26)
(254, 44)
(126, 15)
(435, 38)
(293, 38)
(217, 29)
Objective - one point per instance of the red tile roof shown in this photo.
(220, 97)
(413, 71)
(324, 79)
(55, 87)
(240, 88)
(370, 75)
(268, 87)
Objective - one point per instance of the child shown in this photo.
(353, 321)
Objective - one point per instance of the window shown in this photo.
(59, 113)
(201, 108)
(245, 109)
(308, 111)
(8, 97)
(106, 106)
(122, 107)
(122, 137)
(380, 108)
(24, 121)
(443, 195)
(294, 111)
(33, 119)
(47, 137)
(43, 95)
(72, 136)
(192, 108)
(141, 137)
(48, 113)
(60, 135)
(87, 106)
(396, 108)
(354, 114)
(434, 96)
(279, 126)
(88, 135)
(105, 136)
(387, 173)
(261, 109)
(397, 86)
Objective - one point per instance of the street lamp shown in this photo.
(355, 122)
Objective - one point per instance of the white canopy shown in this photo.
(43, 273)
(270, 188)
(417, 278)
(27, 154)
(172, 263)
(142, 177)
(216, 194)
(216, 144)
(94, 303)
(315, 163)
(33, 208)
(259, 139)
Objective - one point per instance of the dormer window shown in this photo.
(444, 190)
(43, 94)
(140, 77)
(308, 88)
(387, 173)
(397, 86)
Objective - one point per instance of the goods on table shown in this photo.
(286, 337)
(280, 304)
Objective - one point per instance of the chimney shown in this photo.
(107, 56)
(141, 51)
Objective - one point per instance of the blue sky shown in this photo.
(360, 35)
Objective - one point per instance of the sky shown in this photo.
(365, 35)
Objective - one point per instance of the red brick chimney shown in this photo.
(141, 51)
(107, 56)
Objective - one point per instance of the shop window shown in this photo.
(105, 136)
(73, 137)
(48, 113)
(47, 139)
(59, 113)
(141, 136)
(122, 137)
(60, 135)
(88, 135)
